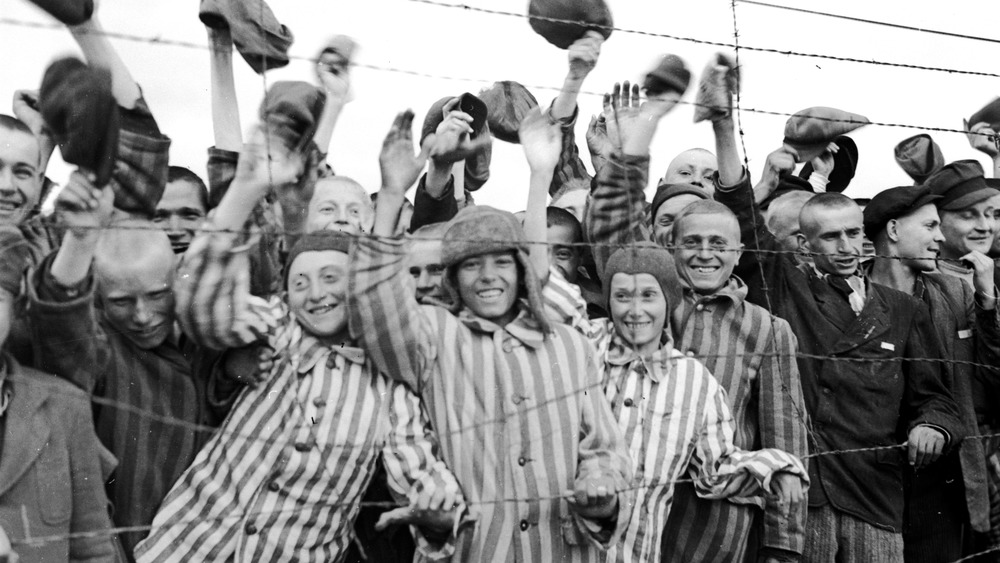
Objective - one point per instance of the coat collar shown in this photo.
(524, 328)
(656, 366)
(26, 430)
(310, 351)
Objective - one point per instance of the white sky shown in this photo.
(485, 48)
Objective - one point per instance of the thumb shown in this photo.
(401, 515)
(912, 450)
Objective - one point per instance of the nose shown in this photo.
(6, 179)
(705, 251)
(143, 313)
(938, 235)
(316, 292)
(424, 279)
(175, 223)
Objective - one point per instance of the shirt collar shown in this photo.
(524, 327)
(656, 366)
(311, 351)
(734, 290)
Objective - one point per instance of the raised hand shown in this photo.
(823, 163)
(265, 162)
(334, 71)
(541, 139)
(84, 208)
(453, 140)
(25, 108)
(400, 166)
(982, 138)
(597, 139)
(982, 277)
(583, 55)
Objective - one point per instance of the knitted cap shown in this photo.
(919, 156)
(645, 258)
(670, 75)
(318, 241)
(292, 109)
(667, 191)
(478, 230)
(507, 103)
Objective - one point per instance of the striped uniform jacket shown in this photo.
(678, 425)
(283, 477)
(519, 414)
(750, 352)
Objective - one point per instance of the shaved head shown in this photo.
(819, 205)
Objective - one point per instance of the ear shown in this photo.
(803, 243)
(891, 229)
(739, 251)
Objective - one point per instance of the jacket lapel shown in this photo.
(25, 431)
(872, 323)
(834, 307)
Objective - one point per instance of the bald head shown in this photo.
(693, 166)
(340, 204)
(820, 206)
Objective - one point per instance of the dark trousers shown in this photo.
(935, 521)
(394, 545)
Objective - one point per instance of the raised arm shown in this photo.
(99, 52)
(333, 70)
(225, 107)
(541, 140)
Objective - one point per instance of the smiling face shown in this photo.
(835, 233)
(918, 237)
(695, 166)
(317, 286)
(340, 204)
(639, 310)
(666, 213)
(706, 249)
(179, 213)
(424, 259)
(972, 228)
(488, 285)
(563, 254)
(20, 177)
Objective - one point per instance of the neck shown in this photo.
(893, 273)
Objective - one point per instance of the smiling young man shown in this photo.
(856, 504)
(20, 175)
(300, 446)
(747, 350)
(182, 208)
(506, 390)
(947, 502)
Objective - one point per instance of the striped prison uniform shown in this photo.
(678, 425)
(283, 477)
(519, 413)
(749, 351)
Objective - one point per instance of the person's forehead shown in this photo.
(18, 147)
(313, 261)
(676, 204)
(561, 234)
(921, 214)
(125, 278)
(838, 218)
(571, 199)
(424, 252)
(709, 225)
(694, 159)
(339, 191)
(622, 280)
(490, 256)
(179, 194)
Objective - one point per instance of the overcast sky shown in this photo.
(482, 48)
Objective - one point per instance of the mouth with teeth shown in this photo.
(321, 309)
(10, 205)
(706, 269)
(637, 325)
(492, 294)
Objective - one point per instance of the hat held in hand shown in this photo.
(811, 130)
(477, 168)
(670, 75)
(719, 83)
(291, 110)
(919, 156)
(581, 16)
(69, 12)
(989, 114)
(845, 164)
(81, 114)
(259, 37)
(507, 103)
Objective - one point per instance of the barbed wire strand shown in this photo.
(872, 22)
(409, 72)
(705, 41)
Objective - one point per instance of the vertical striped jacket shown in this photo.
(519, 414)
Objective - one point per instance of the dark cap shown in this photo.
(810, 131)
(292, 109)
(580, 17)
(845, 164)
(919, 156)
(989, 114)
(667, 191)
(960, 184)
(894, 203)
(466, 103)
(670, 75)
(507, 104)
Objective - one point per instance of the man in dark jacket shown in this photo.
(858, 342)
(947, 501)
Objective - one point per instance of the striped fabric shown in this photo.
(751, 354)
(678, 425)
(519, 414)
(282, 478)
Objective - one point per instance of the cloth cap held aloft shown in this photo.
(291, 110)
(645, 258)
(507, 103)
(990, 113)
(919, 156)
(479, 230)
(894, 203)
(81, 114)
(719, 82)
(669, 75)
(960, 184)
(259, 37)
(811, 130)
(69, 12)
(477, 168)
(14, 259)
(667, 191)
(581, 16)
(845, 164)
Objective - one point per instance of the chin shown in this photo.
(148, 342)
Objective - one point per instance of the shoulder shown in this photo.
(63, 397)
(895, 299)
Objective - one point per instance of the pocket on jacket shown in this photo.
(55, 487)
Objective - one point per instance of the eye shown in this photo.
(564, 255)
(192, 216)
(24, 174)
(327, 209)
(355, 212)
(435, 269)
(689, 244)
(159, 295)
(621, 297)
(300, 283)
(415, 272)
(159, 217)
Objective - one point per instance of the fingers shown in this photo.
(606, 104)
(450, 105)
(636, 98)
(401, 515)
(616, 94)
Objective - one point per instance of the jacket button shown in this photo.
(627, 402)
(699, 307)
(516, 399)
(250, 529)
(301, 446)
(826, 390)
(690, 353)
(319, 403)
(273, 486)
(524, 525)
(507, 348)
(521, 461)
